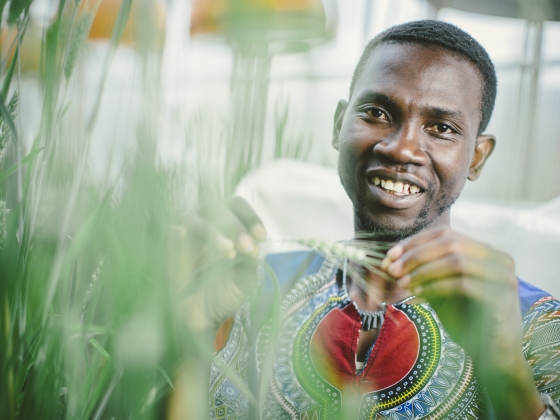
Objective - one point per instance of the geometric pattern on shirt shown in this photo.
(441, 384)
(328, 396)
(286, 398)
(448, 387)
(451, 388)
(541, 345)
(226, 401)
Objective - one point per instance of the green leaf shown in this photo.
(166, 376)
(27, 159)
(10, 73)
(100, 348)
(2, 5)
(6, 116)
(17, 7)
(77, 39)
(61, 5)
(122, 18)
(99, 387)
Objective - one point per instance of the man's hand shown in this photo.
(212, 258)
(473, 289)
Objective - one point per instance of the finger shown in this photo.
(457, 266)
(438, 247)
(399, 249)
(197, 231)
(466, 287)
(245, 213)
(229, 225)
(447, 243)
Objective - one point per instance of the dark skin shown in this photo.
(413, 117)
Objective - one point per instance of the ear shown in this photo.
(338, 117)
(484, 146)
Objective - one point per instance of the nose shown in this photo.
(403, 146)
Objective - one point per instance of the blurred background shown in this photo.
(268, 76)
(308, 76)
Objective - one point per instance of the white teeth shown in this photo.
(396, 186)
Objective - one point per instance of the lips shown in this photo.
(395, 189)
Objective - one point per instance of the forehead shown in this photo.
(425, 75)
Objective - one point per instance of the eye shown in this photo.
(377, 113)
(442, 128)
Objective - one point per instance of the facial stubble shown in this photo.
(367, 223)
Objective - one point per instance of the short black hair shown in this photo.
(437, 34)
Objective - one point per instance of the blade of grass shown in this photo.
(165, 376)
(10, 74)
(100, 348)
(27, 159)
(116, 36)
(5, 113)
(103, 403)
(268, 362)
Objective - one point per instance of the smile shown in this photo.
(395, 187)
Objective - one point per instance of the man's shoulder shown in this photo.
(291, 266)
(529, 295)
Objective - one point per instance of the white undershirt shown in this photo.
(359, 365)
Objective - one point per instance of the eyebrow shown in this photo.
(372, 96)
(388, 101)
(438, 112)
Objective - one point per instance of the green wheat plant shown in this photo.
(100, 294)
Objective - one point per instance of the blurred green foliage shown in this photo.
(92, 324)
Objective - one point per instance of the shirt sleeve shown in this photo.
(541, 345)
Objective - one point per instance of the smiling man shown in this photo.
(450, 332)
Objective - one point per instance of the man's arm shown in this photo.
(212, 261)
(473, 289)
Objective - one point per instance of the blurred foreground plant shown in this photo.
(103, 299)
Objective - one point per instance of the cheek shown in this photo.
(346, 171)
(351, 147)
(357, 135)
(452, 168)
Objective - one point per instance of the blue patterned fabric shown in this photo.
(314, 376)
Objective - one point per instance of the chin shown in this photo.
(385, 230)
(392, 228)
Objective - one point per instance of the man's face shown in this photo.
(408, 138)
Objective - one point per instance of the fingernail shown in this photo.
(245, 244)
(395, 252)
(395, 268)
(227, 246)
(417, 290)
(386, 263)
(259, 232)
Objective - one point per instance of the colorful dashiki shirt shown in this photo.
(414, 370)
